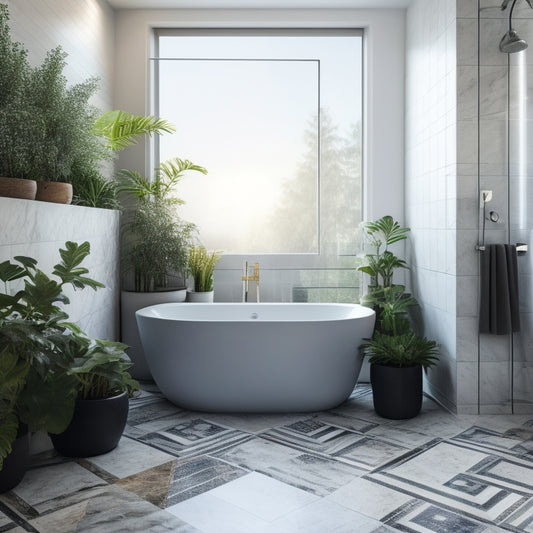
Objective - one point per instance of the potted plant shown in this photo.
(155, 241)
(201, 266)
(20, 126)
(103, 386)
(45, 126)
(68, 119)
(397, 353)
(47, 364)
(37, 393)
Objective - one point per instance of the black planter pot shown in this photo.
(96, 427)
(16, 463)
(397, 391)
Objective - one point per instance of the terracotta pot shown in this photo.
(18, 188)
(54, 191)
(96, 427)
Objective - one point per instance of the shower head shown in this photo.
(511, 43)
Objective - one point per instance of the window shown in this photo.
(275, 116)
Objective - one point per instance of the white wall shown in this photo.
(83, 28)
(431, 175)
(384, 79)
(40, 229)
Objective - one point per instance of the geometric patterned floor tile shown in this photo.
(473, 482)
(336, 442)
(421, 517)
(317, 474)
(194, 436)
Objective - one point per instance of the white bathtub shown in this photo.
(245, 357)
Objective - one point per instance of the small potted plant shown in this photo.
(397, 354)
(103, 386)
(48, 365)
(201, 266)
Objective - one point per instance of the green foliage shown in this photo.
(406, 349)
(68, 118)
(201, 266)
(38, 345)
(92, 189)
(121, 129)
(155, 244)
(394, 341)
(155, 241)
(45, 126)
(100, 368)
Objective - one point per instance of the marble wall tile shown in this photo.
(40, 229)
(495, 384)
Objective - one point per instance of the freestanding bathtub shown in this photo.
(246, 357)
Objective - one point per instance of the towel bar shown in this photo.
(521, 248)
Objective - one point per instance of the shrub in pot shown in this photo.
(21, 127)
(36, 387)
(397, 353)
(201, 266)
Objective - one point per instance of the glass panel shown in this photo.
(253, 125)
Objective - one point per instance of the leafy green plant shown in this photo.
(40, 350)
(121, 129)
(100, 369)
(154, 245)
(68, 119)
(201, 265)
(394, 342)
(21, 124)
(92, 189)
(155, 241)
(406, 349)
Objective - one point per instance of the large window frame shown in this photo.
(318, 260)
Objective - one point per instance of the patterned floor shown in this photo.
(344, 470)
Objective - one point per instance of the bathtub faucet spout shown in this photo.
(247, 277)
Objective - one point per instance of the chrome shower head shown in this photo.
(511, 43)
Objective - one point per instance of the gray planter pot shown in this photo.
(131, 302)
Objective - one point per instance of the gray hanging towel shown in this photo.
(499, 311)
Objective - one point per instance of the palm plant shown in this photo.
(121, 129)
(156, 241)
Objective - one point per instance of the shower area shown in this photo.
(505, 183)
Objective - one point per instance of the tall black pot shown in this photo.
(397, 391)
(17, 462)
(96, 427)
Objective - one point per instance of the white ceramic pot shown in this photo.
(129, 303)
(200, 297)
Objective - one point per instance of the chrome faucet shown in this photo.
(246, 278)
